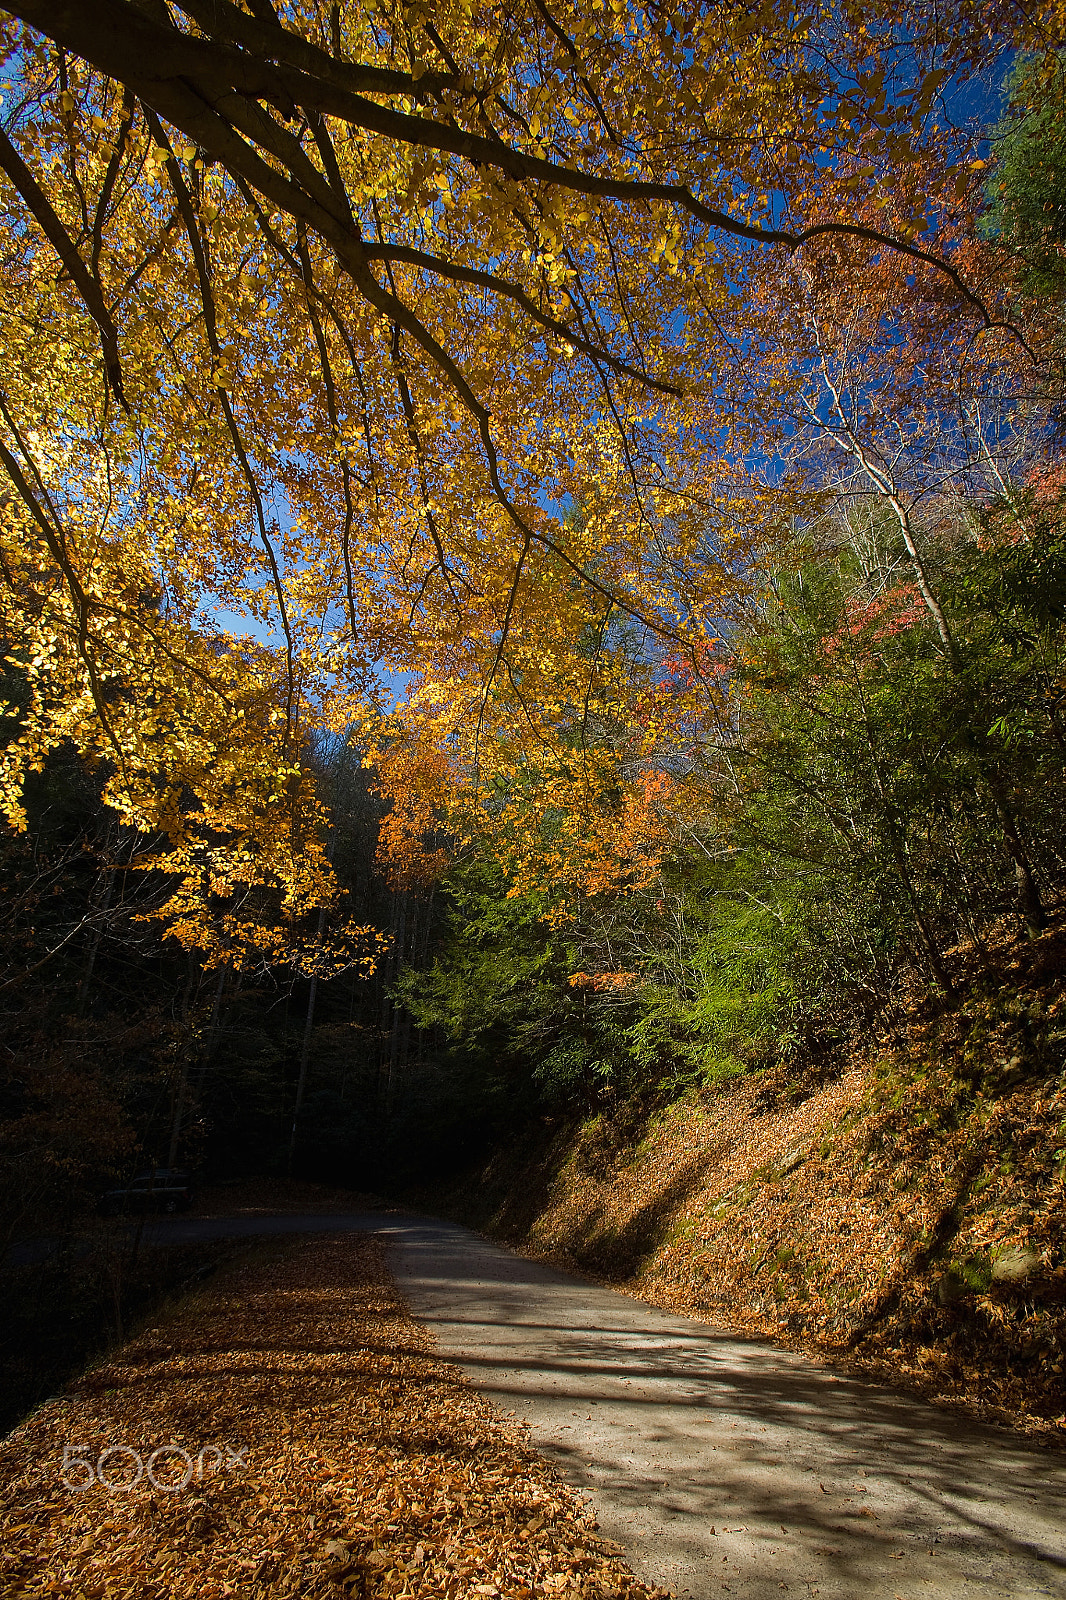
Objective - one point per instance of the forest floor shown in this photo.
(901, 1212)
(288, 1431)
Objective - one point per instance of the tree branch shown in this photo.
(163, 63)
(502, 286)
(83, 280)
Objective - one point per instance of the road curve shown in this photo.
(723, 1465)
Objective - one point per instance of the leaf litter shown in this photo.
(329, 1454)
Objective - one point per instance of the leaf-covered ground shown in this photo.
(907, 1216)
(349, 1462)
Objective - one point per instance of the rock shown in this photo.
(951, 1287)
(1013, 1263)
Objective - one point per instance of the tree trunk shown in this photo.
(86, 980)
(305, 1053)
(301, 1081)
(1029, 901)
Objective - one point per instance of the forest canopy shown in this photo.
(504, 349)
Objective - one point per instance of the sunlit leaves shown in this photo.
(413, 376)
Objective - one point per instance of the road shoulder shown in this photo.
(289, 1431)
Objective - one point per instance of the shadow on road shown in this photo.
(720, 1463)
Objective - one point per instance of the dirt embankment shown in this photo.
(906, 1214)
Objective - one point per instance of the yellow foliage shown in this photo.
(407, 339)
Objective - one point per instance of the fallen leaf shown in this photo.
(358, 1429)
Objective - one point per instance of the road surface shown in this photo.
(723, 1465)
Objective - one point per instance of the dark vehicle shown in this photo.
(165, 1189)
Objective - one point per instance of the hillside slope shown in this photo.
(905, 1210)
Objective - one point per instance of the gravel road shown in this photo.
(723, 1465)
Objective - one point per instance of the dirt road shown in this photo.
(725, 1465)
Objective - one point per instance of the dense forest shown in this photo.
(876, 808)
(532, 579)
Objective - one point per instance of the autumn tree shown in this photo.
(324, 318)
(1027, 188)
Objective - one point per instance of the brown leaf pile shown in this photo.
(357, 1465)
